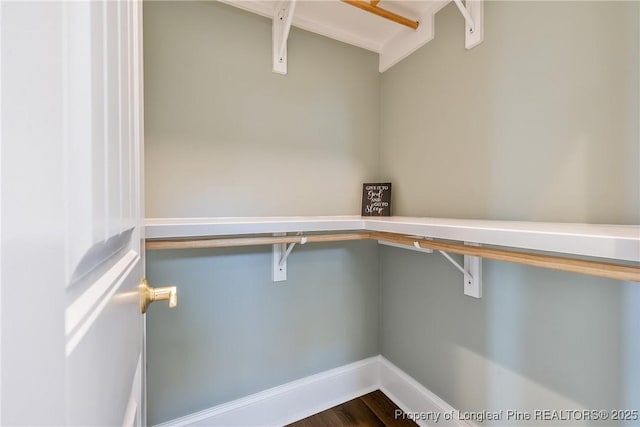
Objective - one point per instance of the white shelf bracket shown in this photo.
(472, 272)
(473, 14)
(416, 246)
(279, 270)
(280, 254)
(280, 27)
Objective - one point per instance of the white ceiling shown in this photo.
(341, 21)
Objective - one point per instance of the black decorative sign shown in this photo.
(376, 199)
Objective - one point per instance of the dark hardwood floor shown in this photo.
(371, 410)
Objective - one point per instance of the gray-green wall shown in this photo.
(224, 136)
(227, 137)
(538, 123)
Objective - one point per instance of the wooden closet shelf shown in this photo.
(614, 242)
(551, 261)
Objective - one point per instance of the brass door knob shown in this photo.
(149, 295)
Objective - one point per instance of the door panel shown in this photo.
(102, 362)
(71, 248)
(103, 323)
(103, 131)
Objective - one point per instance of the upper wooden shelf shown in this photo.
(340, 21)
(621, 242)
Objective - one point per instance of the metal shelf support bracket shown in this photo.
(416, 245)
(280, 27)
(472, 271)
(281, 252)
(473, 13)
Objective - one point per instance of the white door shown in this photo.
(72, 249)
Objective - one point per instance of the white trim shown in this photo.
(299, 399)
(1, 102)
(411, 396)
(131, 414)
(83, 312)
(290, 402)
(138, 193)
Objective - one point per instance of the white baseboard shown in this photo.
(290, 402)
(418, 402)
(299, 399)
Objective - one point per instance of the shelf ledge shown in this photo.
(618, 242)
